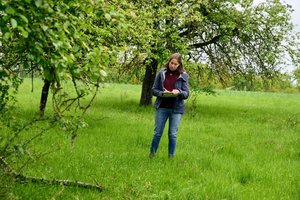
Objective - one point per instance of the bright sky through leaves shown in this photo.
(295, 18)
(296, 13)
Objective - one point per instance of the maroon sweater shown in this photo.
(169, 84)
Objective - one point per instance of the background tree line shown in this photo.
(203, 78)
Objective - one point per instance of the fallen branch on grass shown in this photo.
(24, 179)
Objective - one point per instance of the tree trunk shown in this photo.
(44, 96)
(146, 96)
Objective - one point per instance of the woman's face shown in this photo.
(173, 64)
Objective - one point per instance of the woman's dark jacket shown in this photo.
(181, 84)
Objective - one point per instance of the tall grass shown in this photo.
(235, 145)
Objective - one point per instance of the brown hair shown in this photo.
(178, 57)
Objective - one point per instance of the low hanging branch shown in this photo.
(60, 106)
(206, 43)
(25, 179)
(8, 170)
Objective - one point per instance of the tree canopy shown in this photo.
(60, 40)
(232, 38)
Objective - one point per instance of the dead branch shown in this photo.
(25, 179)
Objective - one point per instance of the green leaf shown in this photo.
(38, 3)
(7, 35)
(14, 23)
(48, 75)
(10, 10)
(44, 27)
(103, 73)
(24, 34)
(24, 19)
(107, 16)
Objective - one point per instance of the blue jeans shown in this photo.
(161, 117)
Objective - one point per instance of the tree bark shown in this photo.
(146, 96)
(44, 96)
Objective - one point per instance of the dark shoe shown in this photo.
(170, 156)
(151, 155)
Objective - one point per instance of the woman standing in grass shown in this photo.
(171, 89)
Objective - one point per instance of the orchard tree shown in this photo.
(165, 18)
(233, 38)
(246, 40)
(63, 42)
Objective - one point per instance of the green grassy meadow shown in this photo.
(235, 145)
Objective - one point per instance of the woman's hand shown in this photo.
(166, 91)
(175, 91)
